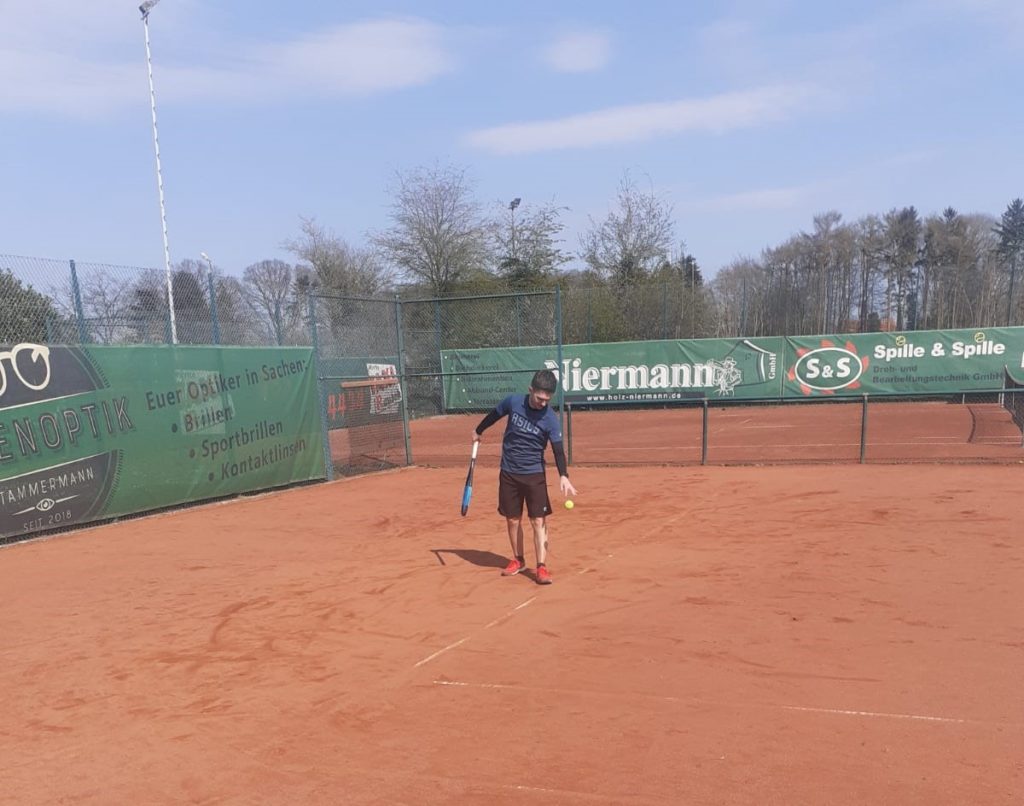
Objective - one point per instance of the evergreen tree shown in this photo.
(25, 313)
(1010, 230)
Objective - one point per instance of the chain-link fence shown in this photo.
(385, 363)
(73, 302)
(363, 396)
(457, 361)
(648, 311)
(434, 326)
(67, 301)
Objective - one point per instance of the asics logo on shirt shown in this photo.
(524, 424)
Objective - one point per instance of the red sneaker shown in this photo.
(513, 568)
(543, 575)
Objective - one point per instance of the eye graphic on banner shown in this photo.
(30, 365)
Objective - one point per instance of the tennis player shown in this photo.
(531, 425)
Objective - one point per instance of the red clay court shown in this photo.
(721, 635)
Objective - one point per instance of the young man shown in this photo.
(531, 425)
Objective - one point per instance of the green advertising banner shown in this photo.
(620, 372)
(917, 362)
(914, 362)
(88, 433)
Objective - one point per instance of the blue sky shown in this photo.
(746, 117)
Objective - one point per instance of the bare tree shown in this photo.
(268, 290)
(339, 267)
(739, 296)
(105, 305)
(233, 319)
(633, 240)
(147, 308)
(335, 273)
(985, 282)
(942, 238)
(192, 309)
(870, 235)
(438, 236)
(903, 236)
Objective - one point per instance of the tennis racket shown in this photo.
(467, 493)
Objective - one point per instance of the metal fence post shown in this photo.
(743, 312)
(1016, 401)
(568, 430)
(664, 310)
(590, 315)
(439, 346)
(328, 459)
(704, 435)
(561, 373)
(403, 384)
(83, 336)
(213, 310)
(863, 427)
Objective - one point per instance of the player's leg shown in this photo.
(515, 535)
(540, 539)
(510, 505)
(538, 507)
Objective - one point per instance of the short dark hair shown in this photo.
(544, 380)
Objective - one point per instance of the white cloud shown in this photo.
(367, 57)
(67, 84)
(629, 124)
(71, 23)
(765, 199)
(580, 52)
(88, 76)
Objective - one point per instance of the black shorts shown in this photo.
(513, 489)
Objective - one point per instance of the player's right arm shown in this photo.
(492, 417)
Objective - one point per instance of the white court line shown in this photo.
(441, 652)
(510, 613)
(698, 701)
(745, 446)
(844, 712)
(461, 641)
(494, 623)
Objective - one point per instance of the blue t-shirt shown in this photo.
(526, 434)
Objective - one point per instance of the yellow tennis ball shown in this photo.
(569, 504)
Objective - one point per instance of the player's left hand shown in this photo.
(566, 486)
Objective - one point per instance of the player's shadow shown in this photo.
(485, 559)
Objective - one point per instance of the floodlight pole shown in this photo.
(145, 8)
(213, 299)
(512, 210)
(209, 262)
